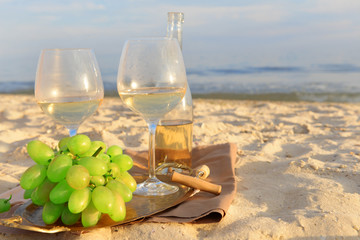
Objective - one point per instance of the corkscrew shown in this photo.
(196, 180)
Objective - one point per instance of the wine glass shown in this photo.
(152, 81)
(68, 86)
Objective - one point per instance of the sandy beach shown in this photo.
(297, 165)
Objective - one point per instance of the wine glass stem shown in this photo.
(152, 130)
(72, 132)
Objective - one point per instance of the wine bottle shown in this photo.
(174, 134)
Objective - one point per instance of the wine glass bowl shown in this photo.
(68, 86)
(152, 81)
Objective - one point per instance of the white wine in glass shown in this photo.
(68, 86)
(152, 81)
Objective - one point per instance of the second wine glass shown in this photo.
(152, 81)
(68, 86)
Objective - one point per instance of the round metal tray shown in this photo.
(29, 216)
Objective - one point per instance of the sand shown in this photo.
(297, 167)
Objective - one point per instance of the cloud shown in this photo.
(265, 13)
(48, 18)
(46, 7)
(335, 6)
(5, 1)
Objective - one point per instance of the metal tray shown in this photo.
(29, 216)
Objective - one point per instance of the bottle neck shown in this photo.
(174, 26)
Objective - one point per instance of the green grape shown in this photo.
(94, 165)
(104, 157)
(69, 218)
(63, 144)
(90, 216)
(33, 176)
(97, 180)
(95, 145)
(124, 162)
(78, 177)
(41, 194)
(28, 192)
(114, 150)
(61, 192)
(40, 152)
(128, 180)
(79, 200)
(119, 210)
(58, 167)
(51, 212)
(114, 169)
(5, 204)
(103, 199)
(79, 144)
(121, 188)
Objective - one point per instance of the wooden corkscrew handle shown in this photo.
(196, 183)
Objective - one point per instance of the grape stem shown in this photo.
(7, 200)
(97, 152)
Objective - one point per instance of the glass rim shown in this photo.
(67, 49)
(176, 13)
(140, 39)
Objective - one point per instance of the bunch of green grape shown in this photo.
(80, 180)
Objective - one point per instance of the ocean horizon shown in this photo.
(318, 83)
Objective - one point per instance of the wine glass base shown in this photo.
(155, 187)
(72, 131)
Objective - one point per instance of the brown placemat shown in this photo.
(203, 207)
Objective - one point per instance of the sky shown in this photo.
(227, 34)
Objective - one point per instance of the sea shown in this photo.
(316, 83)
